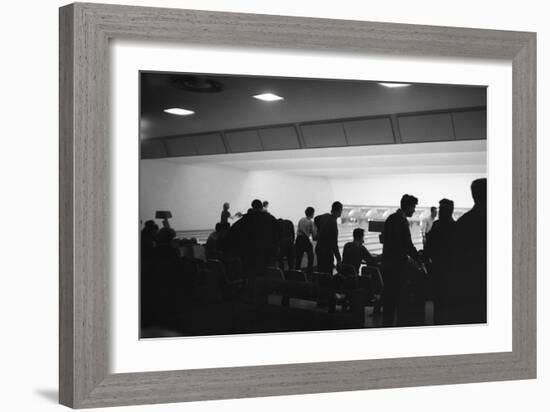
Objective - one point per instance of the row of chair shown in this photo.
(326, 289)
(192, 251)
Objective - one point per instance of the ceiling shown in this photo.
(305, 100)
(352, 162)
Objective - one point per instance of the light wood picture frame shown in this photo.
(85, 31)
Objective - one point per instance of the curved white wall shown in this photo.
(195, 194)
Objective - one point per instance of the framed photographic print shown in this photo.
(266, 205)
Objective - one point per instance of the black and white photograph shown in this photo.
(278, 204)
(275, 205)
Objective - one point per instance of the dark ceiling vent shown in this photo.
(197, 84)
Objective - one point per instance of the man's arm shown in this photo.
(316, 228)
(409, 246)
(335, 249)
(366, 256)
(313, 230)
(424, 226)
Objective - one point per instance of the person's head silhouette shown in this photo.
(446, 209)
(336, 209)
(408, 204)
(309, 212)
(151, 227)
(359, 235)
(257, 205)
(479, 191)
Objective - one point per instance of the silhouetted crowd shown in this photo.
(178, 273)
(457, 253)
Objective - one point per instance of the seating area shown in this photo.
(199, 296)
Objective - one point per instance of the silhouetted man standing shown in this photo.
(398, 250)
(225, 215)
(468, 280)
(439, 249)
(148, 241)
(286, 246)
(255, 239)
(327, 240)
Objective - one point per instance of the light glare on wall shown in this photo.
(268, 97)
(179, 112)
(393, 85)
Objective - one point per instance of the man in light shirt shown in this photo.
(306, 232)
(427, 223)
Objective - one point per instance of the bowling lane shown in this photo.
(345, 234)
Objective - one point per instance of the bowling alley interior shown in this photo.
(281, 205)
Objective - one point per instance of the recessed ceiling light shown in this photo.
(179, 112)
(394, 84)
(268, 97)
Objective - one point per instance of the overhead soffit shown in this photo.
(315, 113)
